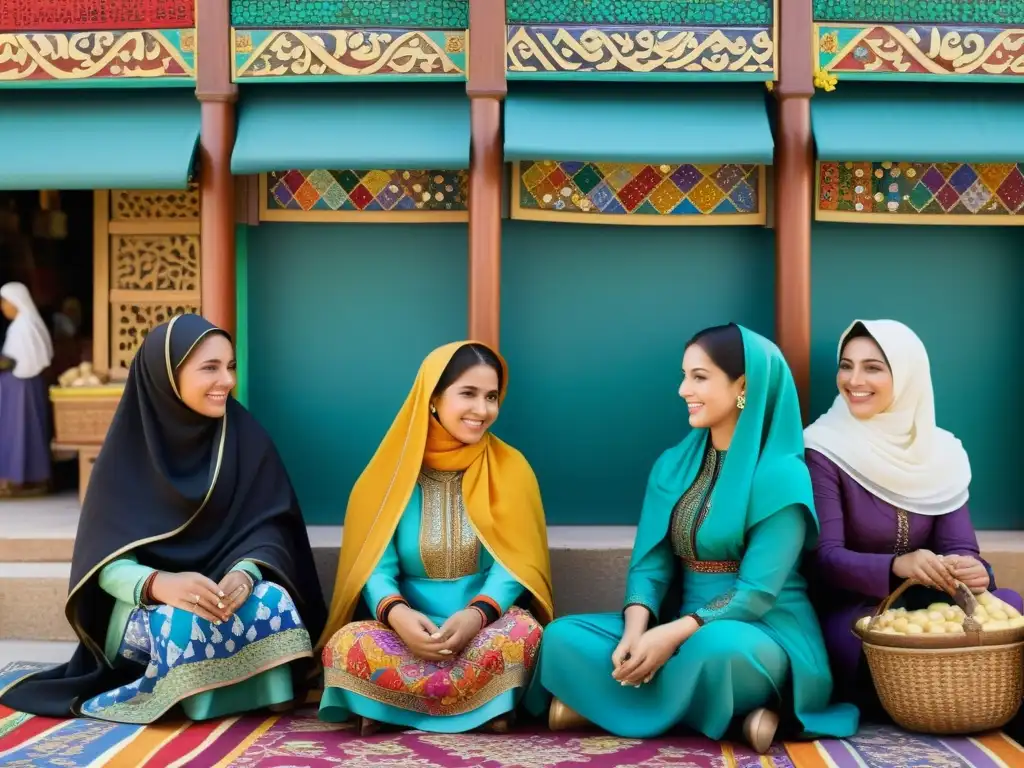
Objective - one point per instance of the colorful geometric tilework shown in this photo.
(995, 12)
(712, 13)
(367, 191)
(410, 14)
(928, 189)
(619, 189)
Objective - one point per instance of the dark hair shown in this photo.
(466, 357)
(859, 331)
(724, 345)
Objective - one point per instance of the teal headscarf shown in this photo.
(764, 470)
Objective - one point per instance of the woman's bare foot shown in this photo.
(759, 729)
(561, 718)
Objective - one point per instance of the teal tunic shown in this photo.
(124, 580)
(721, 542)
(435, 561)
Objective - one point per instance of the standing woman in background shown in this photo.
(24, 403)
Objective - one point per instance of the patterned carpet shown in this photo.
(301, 741)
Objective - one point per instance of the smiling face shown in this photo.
(864, 378)
(468, 407)
(207, 376)
(709, 394)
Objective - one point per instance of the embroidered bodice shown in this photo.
(449, 546)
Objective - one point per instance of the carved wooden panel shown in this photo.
(130, 324)
(143, 204)
(154, 263)
(147, 253)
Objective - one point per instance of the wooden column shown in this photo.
(794, 187)
(486, 89)
(217, 94)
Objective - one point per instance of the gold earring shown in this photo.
(433, 409)
(741, 401)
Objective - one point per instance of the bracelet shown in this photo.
(483, 616)
(388, 604)
(488, 607)
(146, 597)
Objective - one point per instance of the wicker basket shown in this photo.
(947, 684)
(82, 415)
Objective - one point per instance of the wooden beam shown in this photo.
(217, 94)
(486, 88)
(794, 187)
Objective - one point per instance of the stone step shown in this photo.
(32, 601)
(38, 530)
(588, 563)
(35, 650)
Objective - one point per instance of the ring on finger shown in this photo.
(195, 599)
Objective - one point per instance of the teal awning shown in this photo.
(97, 140)
(937, 123)
(357, 126)
(638, 123)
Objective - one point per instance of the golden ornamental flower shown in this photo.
(825, 80)
(829, 43)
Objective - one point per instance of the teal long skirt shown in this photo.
(723, 671)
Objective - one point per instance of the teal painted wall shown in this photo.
(340, 317)
(593, 323)
(959, 288)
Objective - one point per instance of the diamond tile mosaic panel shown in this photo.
(619, 189)
(367, 191)
(929, 189)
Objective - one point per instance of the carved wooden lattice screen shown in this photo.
(146, 252)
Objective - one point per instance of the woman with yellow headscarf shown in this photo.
(445, 546)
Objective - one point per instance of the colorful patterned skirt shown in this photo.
(370, 672)
(185, 659)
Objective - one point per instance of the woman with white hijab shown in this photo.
(24, 407)
(890, 489)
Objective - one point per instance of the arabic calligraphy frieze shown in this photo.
(343, 53)
(64, 56)
(858, 50)
(684, 51)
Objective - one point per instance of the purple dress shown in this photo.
(24, 430)
(860, 537)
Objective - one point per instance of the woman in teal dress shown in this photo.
(717, 624)
(445, 548)
(192, 580)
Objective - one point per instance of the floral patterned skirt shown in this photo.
(180, 655)
(368, 659)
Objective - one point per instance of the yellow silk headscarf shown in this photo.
(499, 489)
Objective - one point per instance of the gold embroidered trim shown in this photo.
(449, 547)
(201, 676)
(717, 606)
(518, 677)
(711, 566)
(693, 506)
(902, 532)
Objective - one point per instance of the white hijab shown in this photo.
(899, 455)
(28, 340)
